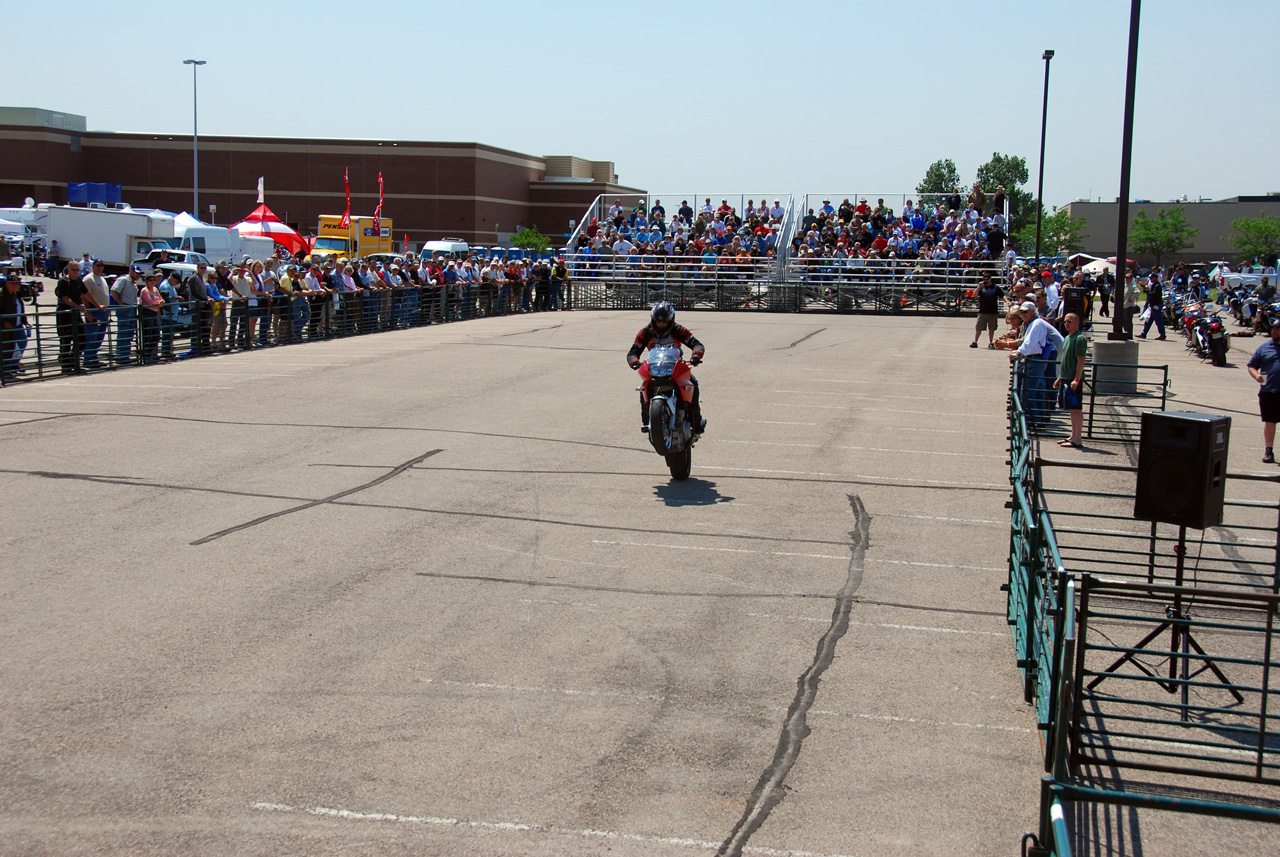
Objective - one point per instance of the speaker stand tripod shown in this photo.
(1181, 642)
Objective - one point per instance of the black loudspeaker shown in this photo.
(1073, 300)
(1182, 468)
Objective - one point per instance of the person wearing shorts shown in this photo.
(1070, 380)
(989, 295)
(1264, 367)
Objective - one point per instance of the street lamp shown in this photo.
(1044, 119)
(195, 138)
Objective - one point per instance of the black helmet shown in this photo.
(663, 314)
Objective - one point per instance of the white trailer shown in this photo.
(224, 243)
(117, 237)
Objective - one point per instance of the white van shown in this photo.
(218, 242)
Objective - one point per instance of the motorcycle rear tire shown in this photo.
(680, 463)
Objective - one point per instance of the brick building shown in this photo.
(470, 191)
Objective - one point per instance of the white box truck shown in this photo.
(115, 236)
(222, 243)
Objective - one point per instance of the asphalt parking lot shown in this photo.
(430, 592)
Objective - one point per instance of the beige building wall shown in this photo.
(1213, 219)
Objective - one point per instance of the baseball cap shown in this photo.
(1027, 306)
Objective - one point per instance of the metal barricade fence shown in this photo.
(607, 281)
(1101, 668)
(888, 285)
(45, 342)
(1112, 410)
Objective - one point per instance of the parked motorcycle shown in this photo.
(667, 387)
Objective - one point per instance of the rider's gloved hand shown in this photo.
(633, 362)
(695, 358)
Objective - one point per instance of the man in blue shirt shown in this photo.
(1264, 367)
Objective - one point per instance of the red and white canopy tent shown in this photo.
(264, 222)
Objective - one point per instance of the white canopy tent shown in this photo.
(10, 227)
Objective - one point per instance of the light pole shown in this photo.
(1044, 120)
(1126, 160)
(195, 138)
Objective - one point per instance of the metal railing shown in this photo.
(45, 342)
(1136, 671)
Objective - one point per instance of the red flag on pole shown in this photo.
(377, 212)
(345, 222)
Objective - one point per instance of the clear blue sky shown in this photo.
(756, 97)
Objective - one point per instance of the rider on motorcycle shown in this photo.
(663, 330)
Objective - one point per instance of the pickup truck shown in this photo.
(182, 261)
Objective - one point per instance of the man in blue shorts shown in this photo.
(1264, 367)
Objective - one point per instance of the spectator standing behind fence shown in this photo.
(989, 295)
(1035, 345)
(97, 318)
(71, 293)
(151, 304)
(201, 310)
(125, 292)
(1264, 367)
(12, 324)
(1070, 380)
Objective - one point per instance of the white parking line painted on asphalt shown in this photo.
(856, 395)
(81, 401)
(774, 423)
(843, 557)
(860, 448)
(226, 374)
(518, 827)
(277, 363)
(920, 721)
(557, 691)
(939, 518)
(826, 620)
(132, 386)
(923, 483)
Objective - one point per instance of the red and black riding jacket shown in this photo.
(648, 338)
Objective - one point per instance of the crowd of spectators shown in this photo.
(713, 240)
(140, 316)
(942, 228)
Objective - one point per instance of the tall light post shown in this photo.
(1044, 121)
(195, 138)
(1126, 161)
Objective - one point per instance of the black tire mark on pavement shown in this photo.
(535, 330)
(424, 510)
(393, 473)
(801, 339)
(770, 790)
(570, 441)
(36, 420)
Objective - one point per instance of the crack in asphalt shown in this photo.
(771, 788)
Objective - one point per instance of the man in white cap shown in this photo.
(1039, 343)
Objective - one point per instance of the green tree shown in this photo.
(1257, 237)
(1009, 172)
(529, 238)
(942, 177)
(1060, 234)
(1162, 235)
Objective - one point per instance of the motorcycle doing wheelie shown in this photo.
(667, 390)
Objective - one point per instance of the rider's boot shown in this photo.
(644, 416)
